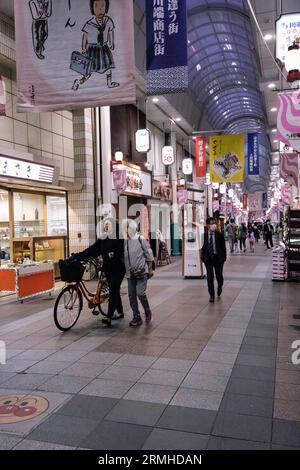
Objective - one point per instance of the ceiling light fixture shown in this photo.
(273, 110)
(271, 85)
(155, 100)
(268, 37)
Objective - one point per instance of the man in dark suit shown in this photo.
(213, 254)
(268, 233)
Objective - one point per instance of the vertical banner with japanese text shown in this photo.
(253, 154)
(166, 46)
(245, 201)
(227, 158)
(74, 54)
(200, 157)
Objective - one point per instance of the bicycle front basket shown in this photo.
(71, 271)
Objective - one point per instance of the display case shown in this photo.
(40, 249)
(292, 240)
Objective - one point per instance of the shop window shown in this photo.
(56, 215)
(4, 227)
(29, 215)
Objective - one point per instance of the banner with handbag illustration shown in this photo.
(74, 54)
(227, 158)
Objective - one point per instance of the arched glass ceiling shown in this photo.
(224, 71)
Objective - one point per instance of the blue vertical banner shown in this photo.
(265, 201)
(253, 154)
(166, 46)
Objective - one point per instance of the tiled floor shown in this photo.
(201, 376)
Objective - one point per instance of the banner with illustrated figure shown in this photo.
(227, 158)
(255, 202)
(74, 54)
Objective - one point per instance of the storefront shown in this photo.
(33, 212)
(131, 190)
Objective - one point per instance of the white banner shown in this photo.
(74, 54)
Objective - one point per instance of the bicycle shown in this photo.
(92, 269)
(69, 302)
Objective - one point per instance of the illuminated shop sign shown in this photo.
(26, 170)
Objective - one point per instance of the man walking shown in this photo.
(231, 231)
(268, 233)
(213, 254)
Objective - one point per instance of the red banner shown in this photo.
(245, 201)
(200, 157)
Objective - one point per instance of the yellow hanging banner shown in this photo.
(227, 158)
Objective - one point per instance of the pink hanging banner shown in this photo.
(288, 119)
(289, 168)
(182, 196)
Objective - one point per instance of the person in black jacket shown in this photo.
(213, 254)
(111, 248)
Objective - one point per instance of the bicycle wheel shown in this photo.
(104, 297)
(67, 307)
(90, 272)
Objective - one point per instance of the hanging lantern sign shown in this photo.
(168, 156)
(187, 166)
(143, 140)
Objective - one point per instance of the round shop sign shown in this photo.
(15, 408)
(168, 156)
(142, 140)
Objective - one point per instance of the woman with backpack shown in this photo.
(138, 259)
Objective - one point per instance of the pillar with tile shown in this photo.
(82, 230)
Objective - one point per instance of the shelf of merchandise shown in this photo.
(292, 239)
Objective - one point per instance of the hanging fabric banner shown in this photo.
(200, 157)
(182, 196)
(253, 154)
(227, 158)
(255, 202)
(74, 54)
(289, 168)
(245, 201)
(286, 194)
(288, 119)
(264, 201)
(2, 97)
(166, 46)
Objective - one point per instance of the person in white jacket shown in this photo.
(138, 258)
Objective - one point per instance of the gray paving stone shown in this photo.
(16, 365)
(192, 398)
(206, 382)
(151, 393)
(163, 439)
(282, 447)
(35, 354)
(218, 357)
(86, 344)
(65, 384)
(83, 369)
(248, 405)
(90, 407)
(8, 441)
(107, 388)
(136, 412)
(223, 443)
(67, 356)
(163, 377)
(255, 341)
(286, 432)
(248, 372)
(48, 367)
(96, 357)
(258, 350)
(260, 388)
(26, 444)
(221, 347)
(115, 372)
(64, 430)
(26, 381)
(187, 419)
(132, 360)
(256, 360)
(115, 436)
(212, 368)
(239, 426)
(4, 376)
(177, 365)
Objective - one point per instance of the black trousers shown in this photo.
(242, 243)
(39, 35)
(115, 302)
(269, 238)
(214, 267)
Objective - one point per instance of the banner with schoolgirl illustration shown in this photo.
(74, 54)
